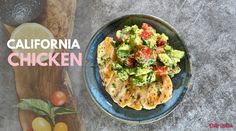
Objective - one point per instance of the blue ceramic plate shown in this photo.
(94, 82)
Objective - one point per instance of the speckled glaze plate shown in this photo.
(94, 82)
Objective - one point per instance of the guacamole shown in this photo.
(143, 55)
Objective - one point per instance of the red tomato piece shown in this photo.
(126, 37)
(146, 34)
(130, 62)
(147, 52)
(160, 42)
(160, 50)
(144, 54)
(117, 37)
(139, 46)
(160, 71)
(120, 42)
(58, 98)
(145, 26)
(138, 54)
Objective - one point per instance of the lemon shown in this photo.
(61, 126)
(40, 124)
(28, 33)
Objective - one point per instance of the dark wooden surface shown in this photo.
(41, 82)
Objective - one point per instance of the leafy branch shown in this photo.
(44, 108)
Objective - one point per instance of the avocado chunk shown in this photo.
(139, 80)
(116, 66)
(138, 40)
(142, 71)
(177, 54)
(165, 59)
(151, 42)
(173, 71)
(124, 47)
(152, 77)
(145, 79)
(172, 57)
(123, 51)
(130, 71)
(164, 37)
(123, 75)
(167, 48)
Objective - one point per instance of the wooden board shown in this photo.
(41, 82)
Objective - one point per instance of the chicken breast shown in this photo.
(124, 94)
(105, 57)
(166, 90)
(137, 97)
(152, 96)
(115, 87)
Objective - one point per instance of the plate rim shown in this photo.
(170, 110)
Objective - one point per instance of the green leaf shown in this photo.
(63, 111)
(38, 106)
(52, 114)
(44, 108)
(27, 107)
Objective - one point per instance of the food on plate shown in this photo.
(136, 67)
(15, 12)
(40, 124)
(58, 98)
(61, 126)
(29, 31)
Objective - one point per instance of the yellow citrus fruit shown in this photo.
(40, 124)
(29, 32)
(61, 126)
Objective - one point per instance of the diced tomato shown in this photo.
(147, 52)
(146, 34)
(130, 62)
(160, 50)
(160, 71)
(123, 37)
(160, 42)
(126, 37)
(139, 46)
(117, 37)
(144, 54)
(120, 42)
(145, 26)
(137, 54)
(155, 51)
